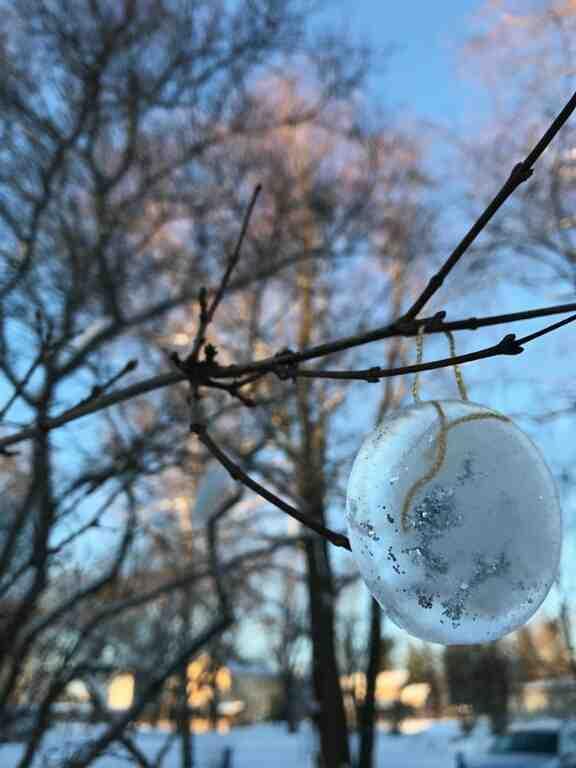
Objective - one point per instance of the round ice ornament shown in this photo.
(454, 522)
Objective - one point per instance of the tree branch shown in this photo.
(207, 312)
(238, 474)
(406, 328)
(509, 345)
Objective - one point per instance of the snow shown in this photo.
(256, 746)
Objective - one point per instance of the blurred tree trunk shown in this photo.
(478, 679)
(289, 685)
(368, 711)
(214, 704)
(183, 720)
(182, 704)
(491, 675)
(331, 716)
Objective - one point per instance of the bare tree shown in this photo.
(112, 212)
(528, 71)
(113, 124)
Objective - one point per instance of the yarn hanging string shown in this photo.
(419, 356)
(440, 444)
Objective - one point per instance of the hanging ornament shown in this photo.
(454, 520)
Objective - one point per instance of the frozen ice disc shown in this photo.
(454, 522)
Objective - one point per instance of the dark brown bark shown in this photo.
(330, 715)
(368, 712)
(289, 694)
(183, 719)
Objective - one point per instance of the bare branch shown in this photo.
(116, 730)
(184, 580)
(548, 329)
(101, 403)
(207, 312)
(21, 386)
(99, 389)
(109, 577)
(238, 474)
(507, 346)
(259, 368)
(434, 324)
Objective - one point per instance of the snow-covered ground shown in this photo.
(257, 747)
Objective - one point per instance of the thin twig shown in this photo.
(508, 346)
(548, 329)
(100, 389)
(235, 255)
(234, 391)
(238, 474)
(520, 173)
(94, 406)
(207, 312)
(437, 325)
(20, 387)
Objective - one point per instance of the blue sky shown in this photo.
(422, 73)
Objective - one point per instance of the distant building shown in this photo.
(391, 687)
(555, 696)
(217, 696)
(544, 682)
(257, 687)
(232, 694)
